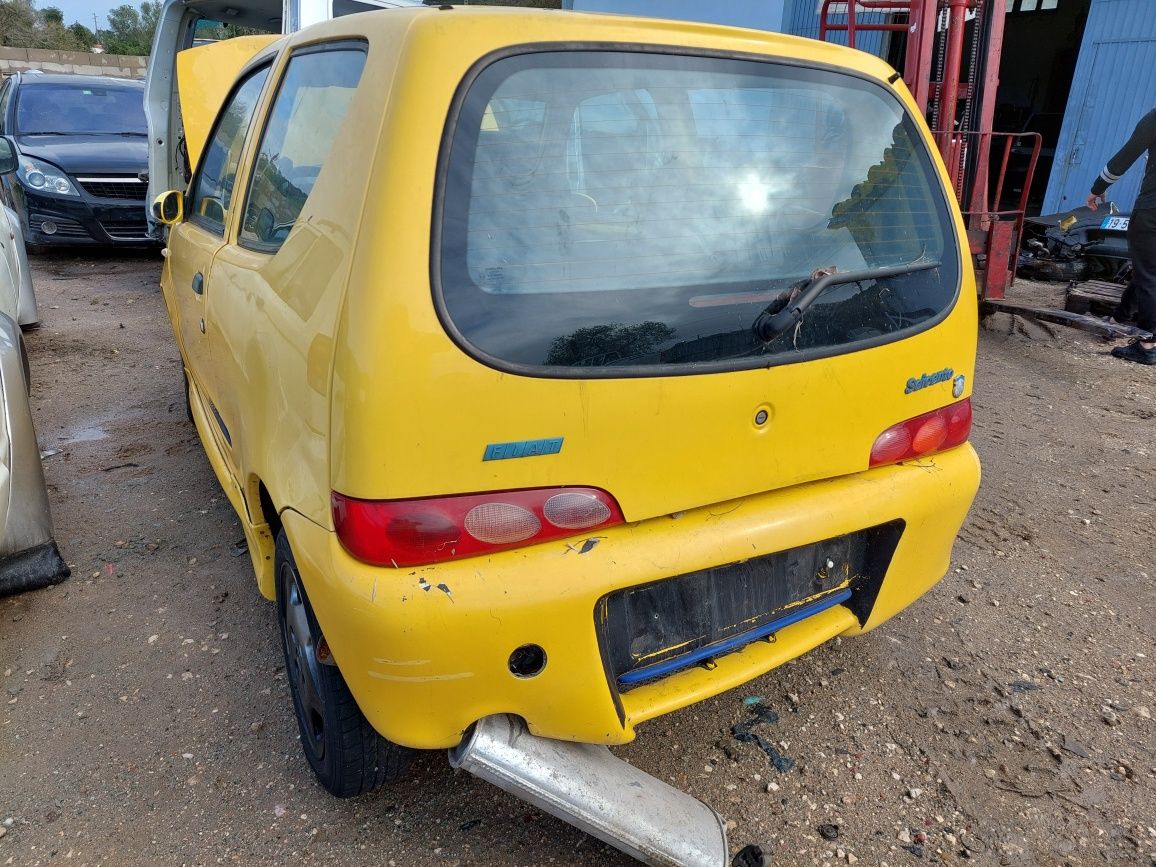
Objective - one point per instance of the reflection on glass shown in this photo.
(311, 104)
(80, 109)
(593, 197)
(217, 172)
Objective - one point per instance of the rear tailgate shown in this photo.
(607, 227)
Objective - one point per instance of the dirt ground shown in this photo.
(1005, 719)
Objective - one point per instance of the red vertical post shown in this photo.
(920, 43)
(994, 11)
(851, 15)
(1000, 244)
(949, 87)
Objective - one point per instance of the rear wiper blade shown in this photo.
(769, 325)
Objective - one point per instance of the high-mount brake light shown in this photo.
(926, 434)
(417, 532)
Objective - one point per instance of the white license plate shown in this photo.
(1116, 224)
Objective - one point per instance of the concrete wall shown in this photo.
(79, 62)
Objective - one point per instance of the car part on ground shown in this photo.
(1075, 245)
(1096, 325)
(29, 558)
(593, 790)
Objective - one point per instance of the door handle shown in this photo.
(199, 283)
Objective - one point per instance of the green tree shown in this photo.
(51, 32)
(84, 37)
(22, 25)
(130, 30)
(216, 31)
(17, 23)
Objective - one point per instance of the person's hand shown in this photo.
(1092, 199)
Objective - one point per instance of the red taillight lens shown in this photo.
(925, 434)
(417, 532)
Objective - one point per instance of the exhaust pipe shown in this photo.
(585, 785)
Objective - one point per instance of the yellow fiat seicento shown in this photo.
(566, 367)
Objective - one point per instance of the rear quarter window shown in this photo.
(615, 213)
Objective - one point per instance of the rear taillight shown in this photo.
(925, 434)
(417, 532)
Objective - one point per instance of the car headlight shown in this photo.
(44, 178)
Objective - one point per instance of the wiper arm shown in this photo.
(769, 325)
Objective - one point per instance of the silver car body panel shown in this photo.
(28, 555)
(26, 312)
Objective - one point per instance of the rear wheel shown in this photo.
(348, 756)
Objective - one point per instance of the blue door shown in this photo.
(1113, 87)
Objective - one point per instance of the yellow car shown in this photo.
(568, 367)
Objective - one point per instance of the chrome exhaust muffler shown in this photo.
(588, 787)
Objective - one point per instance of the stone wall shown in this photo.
(79, 62)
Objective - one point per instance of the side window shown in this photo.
(310, 105)
(213, 184)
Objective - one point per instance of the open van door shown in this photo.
(174, 137)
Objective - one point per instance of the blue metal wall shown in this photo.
(1113, 87)
(760, 14)
(801, 18)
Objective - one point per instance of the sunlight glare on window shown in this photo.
(754, 194)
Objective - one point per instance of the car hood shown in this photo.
(97, 154)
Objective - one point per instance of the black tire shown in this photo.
(348, 756)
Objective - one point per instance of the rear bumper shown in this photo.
(425, 651)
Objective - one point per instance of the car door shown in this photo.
(194, 242)
(269, 281)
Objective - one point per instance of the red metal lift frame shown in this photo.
(993, 233)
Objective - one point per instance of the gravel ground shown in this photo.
(1004, 719)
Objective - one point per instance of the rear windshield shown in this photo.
(612, 210)
(75, 109)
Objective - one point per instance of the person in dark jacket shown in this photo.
(1141, 234)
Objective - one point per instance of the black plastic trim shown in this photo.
(32, 569)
